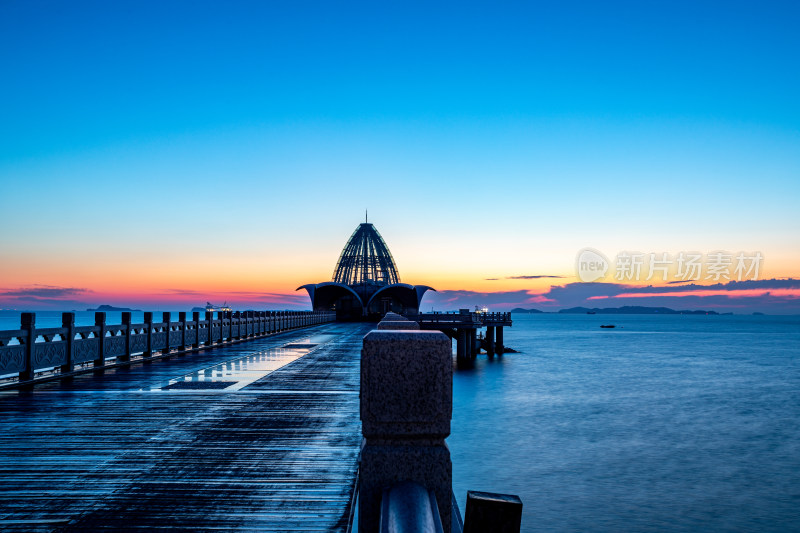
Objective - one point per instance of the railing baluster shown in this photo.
(28, 323)
(148, 324)
(100, 321)
(127, 320)
(68, 321)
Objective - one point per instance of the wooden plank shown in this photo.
(101, 453)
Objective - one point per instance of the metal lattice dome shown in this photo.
(365, 259)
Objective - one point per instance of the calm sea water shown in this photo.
(680, 423)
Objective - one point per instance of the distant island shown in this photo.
(625, 310)
(112, 309)
(635, 310)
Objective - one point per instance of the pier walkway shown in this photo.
(262, 435)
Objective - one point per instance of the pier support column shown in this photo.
(499, 344)
(490, 341)
(474, 348)
(461, 345)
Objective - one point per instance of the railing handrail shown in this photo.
(22, 354)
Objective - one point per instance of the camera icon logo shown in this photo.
(591, 265)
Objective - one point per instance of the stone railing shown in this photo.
(29, 350)
(405, 475)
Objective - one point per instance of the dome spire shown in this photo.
(366, 259)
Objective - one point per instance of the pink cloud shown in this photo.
(741, 293)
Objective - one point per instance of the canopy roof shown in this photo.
(365, 259)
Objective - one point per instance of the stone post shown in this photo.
(148, 324)
(127, 320)
(196, 320)
(182, 320)
(68, 321)
(28, 323)
(490, 340)
(406, 406)
(100, 321)
(210, 319)
(166, 318)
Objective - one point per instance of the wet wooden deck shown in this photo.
(275, 450)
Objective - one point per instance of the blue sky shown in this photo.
(627, 125)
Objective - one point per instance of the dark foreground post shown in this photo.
(487, 511)
(406, 406)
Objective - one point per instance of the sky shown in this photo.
(165, 154)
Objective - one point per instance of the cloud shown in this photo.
(186, 292)
(44, 291)
(464, 299)
(770, 296)
(535, 276)
(491, 279)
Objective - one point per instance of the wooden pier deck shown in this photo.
(223, 439)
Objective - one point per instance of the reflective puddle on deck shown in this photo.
(235, 374)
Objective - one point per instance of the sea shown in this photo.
(52, 319)
(663, 423)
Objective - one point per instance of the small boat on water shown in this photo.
(608, 326)
(212, 307)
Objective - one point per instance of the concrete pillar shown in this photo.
(499, 344)
(100, 322)
(405, 418)
(166, 318)
(196, 320)
(473, 343)
(182, 320)
(461, 344)
(127, 320)
(28, 324)
(68, 321)
(490, 340)
(210, 320)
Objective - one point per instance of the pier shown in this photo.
(262, 435)
(247, 420)
(463, 327)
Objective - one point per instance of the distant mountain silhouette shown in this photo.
(634, 310)
(111, 308)
(521, 310)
